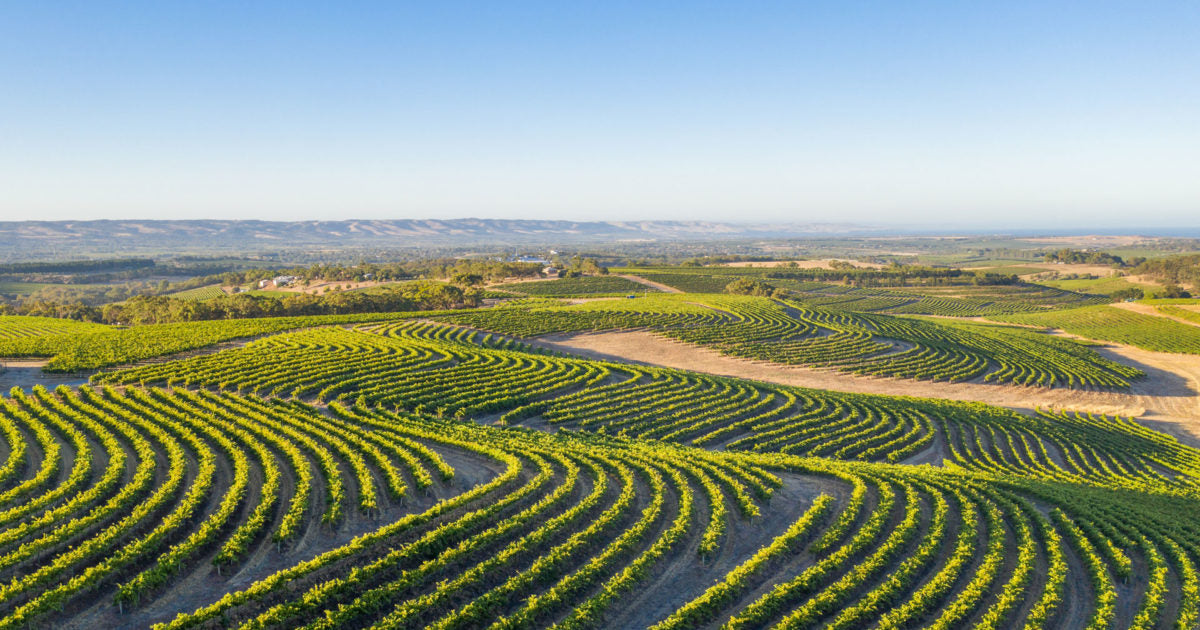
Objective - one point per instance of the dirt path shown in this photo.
(650, 283)
(25, 373)
(1167, 399)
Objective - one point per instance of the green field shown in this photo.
(1108, 323)
(78, 349)
(1103, 286)
(1172, 302)
(269, 293)
(827, 336)
(19, 328)
(586, 286)
(1188, 314)
(21, 288)
(956, 300)
(200, 293)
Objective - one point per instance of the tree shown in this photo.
(1174, 291)
(1131, 293)
(466, 279)
(590, 266)
(745, 286)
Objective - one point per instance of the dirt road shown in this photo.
(650, 283)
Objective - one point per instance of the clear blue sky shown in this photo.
(931, 113)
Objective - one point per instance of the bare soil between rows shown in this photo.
(1167, 398)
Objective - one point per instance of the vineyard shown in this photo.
(15, 327)
(687, 316)
(950, 301)
(201, 293)
(455, 372)
(794, 333)
(1181, 313)
(586, 286)
(443, 470)
(1149, 332)
(74, 346)
(342, 478)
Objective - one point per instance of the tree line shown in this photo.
(146, 309)
(1173, 270)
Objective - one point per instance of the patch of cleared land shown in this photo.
(1168, 398)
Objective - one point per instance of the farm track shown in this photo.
(650, 283)
(1167, 398)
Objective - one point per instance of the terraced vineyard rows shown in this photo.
(797, 334)
(19, 327)
(1181, 313)
(201, 293)
(587, 286)
(953, 301)
(1148, 332)
(570, 529)
(413, 473)
(456, 372)
(91, 346)
(126, 491)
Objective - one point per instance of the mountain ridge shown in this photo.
(16, 235)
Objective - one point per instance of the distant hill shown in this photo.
(127, 236)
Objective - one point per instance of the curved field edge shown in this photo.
(796, 333)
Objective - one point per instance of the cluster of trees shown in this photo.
(578, 267)
(76, 266)
(1081, 257)
(1176, 270)
(893, 276)
(1170, 291)
(987, 278)
(1131, 293)
(703, 261)
(746, 286)
(145, 309)
(486, 270)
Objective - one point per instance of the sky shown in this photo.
(987, 114)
